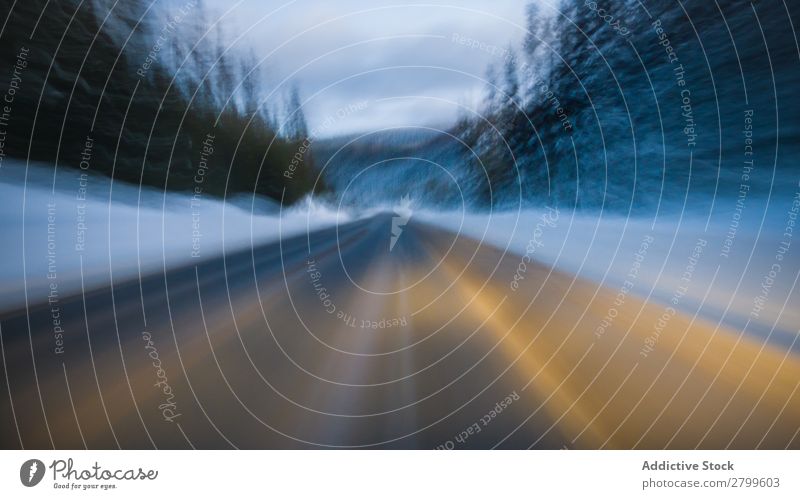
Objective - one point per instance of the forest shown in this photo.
(146, 86)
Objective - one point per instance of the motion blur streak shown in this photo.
(375, 362)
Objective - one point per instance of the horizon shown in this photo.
(407, 66)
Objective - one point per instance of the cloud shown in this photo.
(398, 56)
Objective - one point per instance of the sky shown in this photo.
(364, 65)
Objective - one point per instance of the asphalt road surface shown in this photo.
(332, 340)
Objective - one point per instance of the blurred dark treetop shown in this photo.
(87, 77)
(587, 112)
(619, 91)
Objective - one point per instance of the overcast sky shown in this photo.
(395, 61)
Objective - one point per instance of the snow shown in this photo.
(126, 231)
(676, 259)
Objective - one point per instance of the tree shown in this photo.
(297, 129)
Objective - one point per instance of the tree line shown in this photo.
(621, 104)
(146, 86)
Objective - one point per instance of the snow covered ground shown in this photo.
(58, 233)
(738, 268)
(734, 268)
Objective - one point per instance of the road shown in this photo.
(332, 340)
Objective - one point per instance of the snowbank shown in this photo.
(733, 267)
(59, 230)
